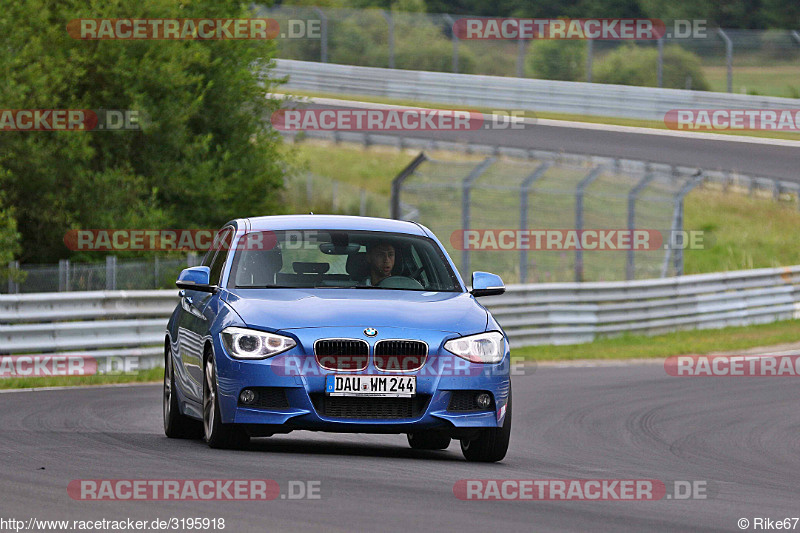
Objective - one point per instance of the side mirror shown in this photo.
(196, 279)
(486, 284)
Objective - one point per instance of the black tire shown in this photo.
(217, 434)
(492, 444)
(428, 440)
(176, 425)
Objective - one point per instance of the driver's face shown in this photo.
(381, 260)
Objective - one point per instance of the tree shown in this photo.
(206, 152)
(636, 65)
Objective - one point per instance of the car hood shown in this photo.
(309, 308)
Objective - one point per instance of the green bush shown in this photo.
(557, 60)
(635, 65)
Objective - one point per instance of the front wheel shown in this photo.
(217, 434)
(492, 444)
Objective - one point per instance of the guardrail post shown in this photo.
(579, 191)
(633, 195)
(397, 184)
(13, 286)
(728, 57)
(524, 190)
(589, 57)
(660, 67)
(390, 24)
(63, 275)
(111, 272)
(466, 189)
(323, 36)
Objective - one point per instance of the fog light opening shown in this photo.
(483, 400)
(247, 396)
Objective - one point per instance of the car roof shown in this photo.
(341, 222)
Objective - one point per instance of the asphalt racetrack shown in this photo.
(765, 157)
(737, 435)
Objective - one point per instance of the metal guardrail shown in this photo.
(496, 92)
(132, 324)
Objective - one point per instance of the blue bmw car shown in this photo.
(336, 323)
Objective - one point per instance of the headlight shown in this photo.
(244, 343)
(486, 347)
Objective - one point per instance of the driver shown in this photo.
(380, 258)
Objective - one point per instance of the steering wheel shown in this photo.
(417, 272)
(400, 282)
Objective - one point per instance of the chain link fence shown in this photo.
(744, 61)
(550, 192)
(114, 274)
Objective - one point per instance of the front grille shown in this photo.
(464, 400)
(268, 398)
(370, 408)
(341, 354)
(400, 355)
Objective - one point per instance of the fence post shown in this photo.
(453, 38)
(633, 195)
(390, 24)
(728, 57)
(466, 188)
(660, 67)
(155, 272)
(323, 37)
(309, 189)
(13, 286)
(191, 259)
(521, 57)
(677, 224)
(397, 184)
(63, 275)
(334, 190)
(589, 57)
(111, 272)
(579, 191)
(525, 189)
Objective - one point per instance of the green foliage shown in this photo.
(557, 60)
(205, 154)
(635, 65)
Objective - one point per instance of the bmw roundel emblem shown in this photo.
(370, 332)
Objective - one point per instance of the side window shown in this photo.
(222, 246)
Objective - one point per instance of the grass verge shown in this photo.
(694, 342)
(143, 376)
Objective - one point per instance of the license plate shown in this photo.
(380, 386)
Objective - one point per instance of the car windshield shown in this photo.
(340, 259)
